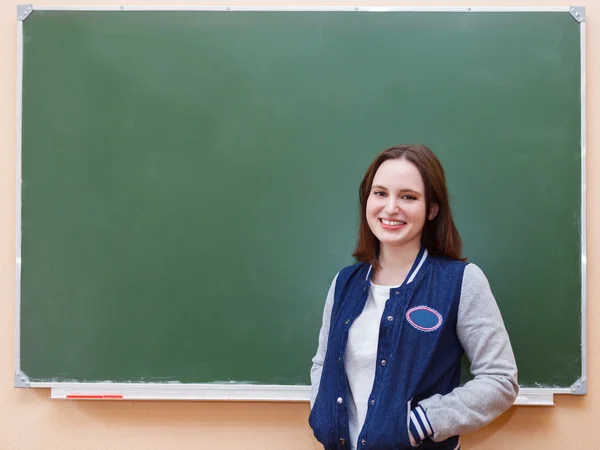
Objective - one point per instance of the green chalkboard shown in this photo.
(190, 180)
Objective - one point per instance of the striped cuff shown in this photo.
(419, 427)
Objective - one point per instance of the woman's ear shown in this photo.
(433, 211)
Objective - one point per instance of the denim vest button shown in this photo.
(397, 292)
(347, 321)
(363, 442)
(340, 401)
(390, 318)
(383, 362)
(342, 441)
(372, 401)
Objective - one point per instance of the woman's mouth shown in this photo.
(391, 224)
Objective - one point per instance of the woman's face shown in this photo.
(396, 210)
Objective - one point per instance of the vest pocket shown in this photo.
(322, 424)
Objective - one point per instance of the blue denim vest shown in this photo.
(418, 354)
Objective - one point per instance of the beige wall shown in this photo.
(30, 420)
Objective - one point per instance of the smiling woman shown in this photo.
(377, 383)
(396, 207)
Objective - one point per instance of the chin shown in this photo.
(401, 242)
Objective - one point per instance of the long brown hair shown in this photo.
(439, 236)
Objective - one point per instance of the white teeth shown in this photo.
(392, 222)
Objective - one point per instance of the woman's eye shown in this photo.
(409, 197)
(379, 193)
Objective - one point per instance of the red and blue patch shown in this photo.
(424, 318)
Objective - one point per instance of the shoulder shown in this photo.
(349, 277)
(448, 262)
(352, 271)
(478, 309)
(476, 293)
(474, 277)
(450, 267)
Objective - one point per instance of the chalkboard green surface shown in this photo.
(190, 179)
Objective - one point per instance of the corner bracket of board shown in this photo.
(24, 11)
(21, 380)
(578, 13)
(579, 387)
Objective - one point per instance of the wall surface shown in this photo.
(30, 420)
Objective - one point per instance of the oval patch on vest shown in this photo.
(424, 318)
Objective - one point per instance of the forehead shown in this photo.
(399, 174)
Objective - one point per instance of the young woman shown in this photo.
(386, 374)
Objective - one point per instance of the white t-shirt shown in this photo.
(360, 357)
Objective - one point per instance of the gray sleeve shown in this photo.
(319, 358)
(494, 388)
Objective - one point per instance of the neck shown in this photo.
(395, 258)
(395, 263)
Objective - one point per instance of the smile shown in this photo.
(392, 223)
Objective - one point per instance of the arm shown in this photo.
(486, 343)
(319, 358)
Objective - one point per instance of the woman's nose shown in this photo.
(391, 206)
